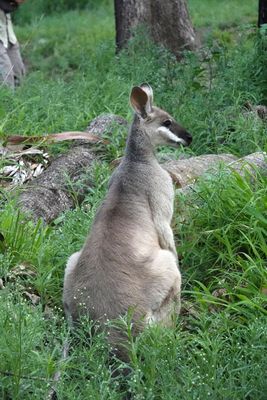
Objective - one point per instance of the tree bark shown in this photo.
(262, 18)
(167, 22)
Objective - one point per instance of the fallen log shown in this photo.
(251, 164)
(67, 179)
(185, 171)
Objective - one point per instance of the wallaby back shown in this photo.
(129, 259)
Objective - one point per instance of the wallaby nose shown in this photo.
(188, 138)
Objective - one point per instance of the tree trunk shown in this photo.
(262, 19)
(167, 22)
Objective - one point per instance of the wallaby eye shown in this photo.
(167, 123)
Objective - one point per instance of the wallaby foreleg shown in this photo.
(165, 236)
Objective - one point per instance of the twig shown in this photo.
(52, 395)
(34, 378)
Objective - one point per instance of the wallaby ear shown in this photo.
(149, 91)
(140, 100)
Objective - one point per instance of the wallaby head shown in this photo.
(156, 123)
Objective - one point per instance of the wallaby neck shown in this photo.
(138, 146)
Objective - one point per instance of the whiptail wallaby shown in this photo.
(129, 259)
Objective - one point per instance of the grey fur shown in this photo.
(129, 259)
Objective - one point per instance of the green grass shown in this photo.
(218, 350)
(214, 13)
(224, 244)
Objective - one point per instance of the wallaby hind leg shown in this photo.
(166, 289)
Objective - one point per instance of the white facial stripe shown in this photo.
(169, 135)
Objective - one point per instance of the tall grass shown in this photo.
(224, 243)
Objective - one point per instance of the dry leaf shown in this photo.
(259, 109)
(26, 165)
(9, 170)
(188, 309)
(116, 162)
(38, 170)
(21, 271)
(220, 293)
(32, 297)
(48, 312)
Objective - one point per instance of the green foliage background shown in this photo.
(32, 9)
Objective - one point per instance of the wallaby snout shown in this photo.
(182, 136)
